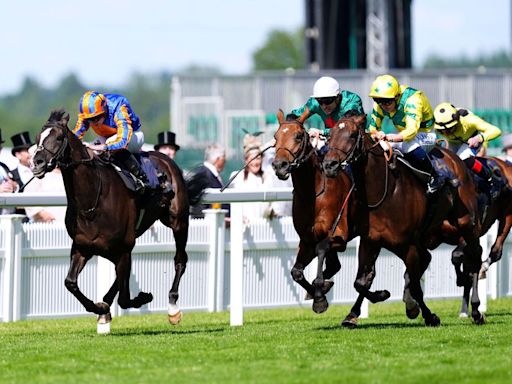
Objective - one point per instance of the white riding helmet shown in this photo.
(326, 86)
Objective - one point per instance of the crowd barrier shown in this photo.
(245, 266)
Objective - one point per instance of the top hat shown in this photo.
(507, 141)
(167, 138)
(20, 142)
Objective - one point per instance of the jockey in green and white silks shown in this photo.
(412, 116)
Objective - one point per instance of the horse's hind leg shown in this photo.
(465, 301)
(412, 308)
(320, 303)
(123, 268)
(180, 264)
(111, 294)
(78, 261)
(497, 248)
(367, 256)
(472, 264)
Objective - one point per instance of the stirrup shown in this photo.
(434, 185)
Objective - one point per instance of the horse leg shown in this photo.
(332, 266)
(412, 308)
(350, 321)
(465, 301)
(180, 264)
(472, 264)
(367, 256)
(305, 255)
(123, 268)
(457, 259)
(417, 261)
(320, 303)
(111, 294)
(78, 261)
(497, 248)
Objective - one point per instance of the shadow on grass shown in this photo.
(151, 332)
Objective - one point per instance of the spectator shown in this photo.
(507, 147)
(253, 179)
(208, 176)
(20, 144)
(167, 144)
(7, 183)
(51, 182)
(279, 208)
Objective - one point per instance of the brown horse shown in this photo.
(395, 213)
(320, 209)
(104, 217)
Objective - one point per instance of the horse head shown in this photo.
(292, 144)
(345, 144)
(52, 142)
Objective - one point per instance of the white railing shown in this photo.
(34, 259)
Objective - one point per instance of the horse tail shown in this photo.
(195, 183)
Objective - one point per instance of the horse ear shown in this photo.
(304, 116)
(360, 120)
(280, 116)
(65, 118)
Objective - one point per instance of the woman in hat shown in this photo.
(167, 144)
(507, 147)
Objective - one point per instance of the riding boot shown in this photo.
(494, 181)
(133, 166)
(420, 159)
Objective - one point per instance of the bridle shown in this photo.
(302, 155)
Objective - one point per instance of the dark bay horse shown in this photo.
(104, 217)
(395, 213)
(320, 208)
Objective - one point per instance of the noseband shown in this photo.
(55, 156)
(355, 152)
(302, 154)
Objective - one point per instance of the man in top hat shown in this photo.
(507, 147)
(167, 144)
(7, 183)
(20, 144)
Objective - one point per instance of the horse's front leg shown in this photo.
(305, 255)
(78, 261)
(320, 303)
(180, 264)
(123, 269)
(367, 256)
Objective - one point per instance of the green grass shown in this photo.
(274, 346)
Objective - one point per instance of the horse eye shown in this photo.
(299, 136)
(353, 135)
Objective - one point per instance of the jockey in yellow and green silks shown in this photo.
(412, 116)
(330, 103)
(111, 117)
(466, 133)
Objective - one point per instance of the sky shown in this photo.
(103, 42)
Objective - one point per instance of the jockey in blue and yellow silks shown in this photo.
(466, 133)
(117, 126)
(412, 116)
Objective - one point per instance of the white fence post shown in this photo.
(236, 310)
(216, 239)
(106, 276)
(11, 224)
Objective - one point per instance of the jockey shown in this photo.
(411, 114)
(117, 126)
(466, 133)
(331, 104)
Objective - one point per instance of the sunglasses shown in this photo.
(95, 119)
(384, 101)
(326, 100)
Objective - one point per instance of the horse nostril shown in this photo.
(280, 165)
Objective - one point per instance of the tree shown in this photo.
(500, 59)
(282, 50)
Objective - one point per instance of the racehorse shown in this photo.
(395, 213)
(320, 208)
(104, 217)
(497, 210)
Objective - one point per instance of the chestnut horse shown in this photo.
(320, 208)
(395, 213)
(104, 217)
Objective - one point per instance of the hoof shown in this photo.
(479, 319)
(482, 274)
(103, 324)
(103, 308)
(350, 321)
(321, 305)
(463, 315)
(325, 289)
(434, 321)
(413, 312)
(176, 318)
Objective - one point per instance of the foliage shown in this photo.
(282, 50)
(501, 59)
(273, 346)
